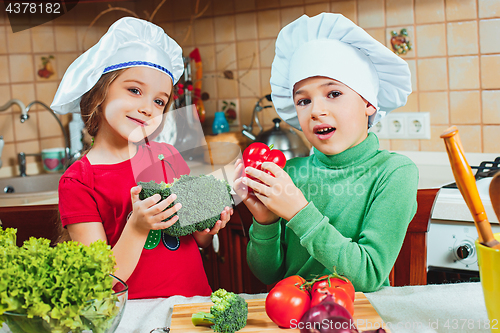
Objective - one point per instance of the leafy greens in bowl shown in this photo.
(61, 289)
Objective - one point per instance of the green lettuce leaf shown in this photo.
(68, 286)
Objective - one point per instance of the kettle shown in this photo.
(286, 140)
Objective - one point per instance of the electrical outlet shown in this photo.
(404, 125)
(419, 125)
(396, 126)
(380, 129)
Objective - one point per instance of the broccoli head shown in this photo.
(203, 198)
(227, 315)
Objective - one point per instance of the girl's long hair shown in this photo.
(90, 105)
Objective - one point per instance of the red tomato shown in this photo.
(294, 280)
(286, 303)
(331, 283)
(258, 153)
(340, 296)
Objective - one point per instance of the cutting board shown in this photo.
(258, 321)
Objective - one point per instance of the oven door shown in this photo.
(451, 254)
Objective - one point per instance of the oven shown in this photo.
(451, 255)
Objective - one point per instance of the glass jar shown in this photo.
(220, 124)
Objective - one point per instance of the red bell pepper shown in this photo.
(258, 153)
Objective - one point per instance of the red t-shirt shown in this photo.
(101, 193)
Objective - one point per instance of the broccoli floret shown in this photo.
(227, 315)
(203, 198)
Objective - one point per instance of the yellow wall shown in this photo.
(455, 61)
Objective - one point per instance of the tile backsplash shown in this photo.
(455, 60)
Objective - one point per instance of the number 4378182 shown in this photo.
(33, 8)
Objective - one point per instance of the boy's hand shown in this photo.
(149, 213)
(259, 211)
(279, 194)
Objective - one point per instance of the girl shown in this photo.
(349, 204)
(123, 86)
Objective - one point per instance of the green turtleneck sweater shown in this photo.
(360, 204)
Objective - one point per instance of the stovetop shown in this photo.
(451, 206)
(485, 170)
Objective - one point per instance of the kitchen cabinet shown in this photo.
(228, 267)
(411, 265)
(32, 221)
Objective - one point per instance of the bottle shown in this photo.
(75, 133)
(220, 124)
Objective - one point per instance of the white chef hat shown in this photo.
(129, 42)
(331, 45)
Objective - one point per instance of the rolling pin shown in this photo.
(466, 183)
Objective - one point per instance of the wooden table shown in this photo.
(258, 321)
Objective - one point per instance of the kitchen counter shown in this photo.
(434, 172)
(453, 308)
(51, 197)
(433, 308)
(32, 199)
(434, 167)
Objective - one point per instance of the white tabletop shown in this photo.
(434, 308)
(456, 308)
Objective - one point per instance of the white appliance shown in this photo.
(452, 232)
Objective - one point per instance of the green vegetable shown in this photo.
(61, 288)
(227, 315)
(203, 199)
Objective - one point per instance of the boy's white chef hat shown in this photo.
(129, 42)
(333, 46)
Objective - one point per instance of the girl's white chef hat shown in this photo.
(333, 46)
(129, 42)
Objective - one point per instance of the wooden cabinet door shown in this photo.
(243, 279)
(32, 221)
(228, 268)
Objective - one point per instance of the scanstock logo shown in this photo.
(26, 14)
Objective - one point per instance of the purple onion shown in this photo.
(318, 318)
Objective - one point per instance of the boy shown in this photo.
(349, 204)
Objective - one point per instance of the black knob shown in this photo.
(464, 251)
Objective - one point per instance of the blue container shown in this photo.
(220, 124)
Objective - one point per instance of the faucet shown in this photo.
(247, 130)
(25, 116)
(23, 113)
(21, 158)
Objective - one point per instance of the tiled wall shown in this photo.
(20, 60)
(455, 60)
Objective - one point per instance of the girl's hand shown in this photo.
(259, 211)
(224, 218)
(279, 194)
(149, 213)
(204, 238)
